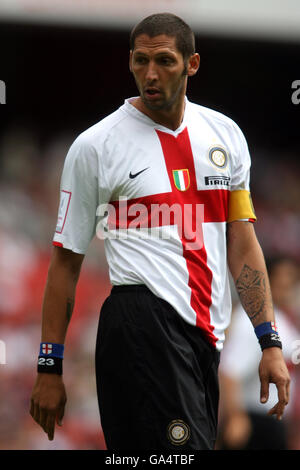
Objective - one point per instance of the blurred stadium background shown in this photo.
(65, 65)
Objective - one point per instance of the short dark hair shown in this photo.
(170, 25)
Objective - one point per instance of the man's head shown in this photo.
(162, 56)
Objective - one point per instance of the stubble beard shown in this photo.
(166, 105)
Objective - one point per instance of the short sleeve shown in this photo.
(79, 196)
(240, 202)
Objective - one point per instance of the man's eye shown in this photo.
(166, 61)
(140, 60)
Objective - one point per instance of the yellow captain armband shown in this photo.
(240, 206)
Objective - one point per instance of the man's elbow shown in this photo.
(241, 241)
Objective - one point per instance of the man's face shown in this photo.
(159, 71)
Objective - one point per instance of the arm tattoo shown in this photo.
(255, 297)
(69, 310)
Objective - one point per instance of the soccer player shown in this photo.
(167, 182)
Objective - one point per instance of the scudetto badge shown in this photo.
(181, 179)
(218, 157)
(178, 432)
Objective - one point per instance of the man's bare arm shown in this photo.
(247, 265)
(48, 396)
(59, 296)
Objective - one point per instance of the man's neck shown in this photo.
(171, 119)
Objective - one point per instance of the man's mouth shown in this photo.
(152, 93)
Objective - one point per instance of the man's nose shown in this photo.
(151, 73)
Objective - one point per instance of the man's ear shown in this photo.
(193, 64)
(130, 61)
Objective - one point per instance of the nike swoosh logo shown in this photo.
(131, 176)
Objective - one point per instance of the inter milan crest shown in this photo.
(178, 432)
(181, 179)
(218, 157)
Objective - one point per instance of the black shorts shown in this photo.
(157, 377)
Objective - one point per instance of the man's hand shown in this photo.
(48, 401)
(272, 369)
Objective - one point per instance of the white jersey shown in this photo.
(169, 195)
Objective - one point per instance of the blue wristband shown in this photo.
(51, 350)
(267, 335)
(266, 328)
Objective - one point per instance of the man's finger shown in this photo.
(288, 391)
(282, 392)
(264, 390)
(277, 410)
(50, 425)
(43, 418)
(60, 415)
(273, 410)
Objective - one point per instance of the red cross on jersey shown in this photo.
(170, 195)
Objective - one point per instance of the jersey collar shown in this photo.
(133, 111)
